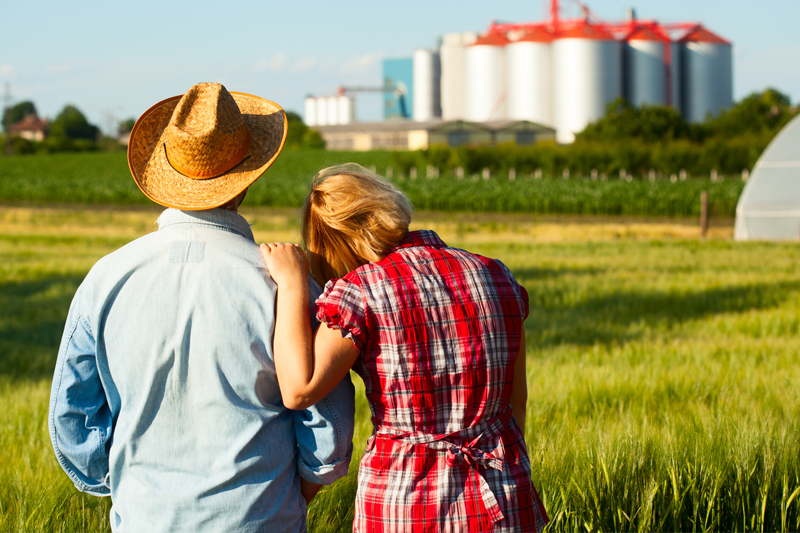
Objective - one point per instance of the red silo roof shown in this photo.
(702, 35)
(537, 35)
(646, 33)
(586, 30)
(491, 39)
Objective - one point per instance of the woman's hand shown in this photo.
(286, 262)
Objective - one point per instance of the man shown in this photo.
(164, 394)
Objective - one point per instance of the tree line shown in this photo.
(629, 142)
(71, 131)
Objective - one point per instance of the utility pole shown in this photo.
(7, 118)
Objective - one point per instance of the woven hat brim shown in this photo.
(166, 186)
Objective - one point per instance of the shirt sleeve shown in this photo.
(79, 418)
(342, 307)
(325, 435)
(325, 431)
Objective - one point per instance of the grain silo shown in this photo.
(707, 72)
(345, 109)
(426, 85)
(675, 97)
(322, 111)
(485, 78)
(587, 75)
(333, 110)
(452, 85)
(529, 77)
(645, 66)
(310, 115)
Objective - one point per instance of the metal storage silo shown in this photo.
(426, 85)
(485, 76)
(529, 77)
(587, 75)
(345, 109)
(453, 85)
(322, 111)
(645, 71)
(333, 110)
(707, 65)
(676, 77)
(310, 111)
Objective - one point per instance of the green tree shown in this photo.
(72, 124)
(648, 123)
(763, 113)
(126, 125)
(14, 114)
(300, 135)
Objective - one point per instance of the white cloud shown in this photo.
(275, 64)
(360, 64)
(304, 65)
(6, 71)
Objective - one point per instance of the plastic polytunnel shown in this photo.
(769, 207)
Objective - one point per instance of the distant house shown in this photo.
(411, 135)
(32, 128)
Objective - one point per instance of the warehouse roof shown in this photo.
(431, 125)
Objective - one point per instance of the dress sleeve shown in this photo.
(519, 290)
(342, 306)
(79, 418)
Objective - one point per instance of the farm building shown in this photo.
(412, 135)
(769, 207)
(560, 72)
(32, 128)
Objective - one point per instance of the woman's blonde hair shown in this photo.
(351, 217)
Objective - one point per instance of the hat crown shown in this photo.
(206, 133)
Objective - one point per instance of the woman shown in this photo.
(437, 335)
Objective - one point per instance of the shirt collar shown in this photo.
(223, 219)
(423, 237)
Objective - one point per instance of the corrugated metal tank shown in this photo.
(453, 84)
(676, 75)
(707, 66)
(529, 77)
(426, 85)
(485, 76)
(310, 116)
(333, 110)
(587, 75)
(645, 69)
(346, 110)
(322, 111)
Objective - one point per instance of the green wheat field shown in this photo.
(663, 369)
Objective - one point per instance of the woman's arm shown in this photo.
(306, 372)
(519, 387)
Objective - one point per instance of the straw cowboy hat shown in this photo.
(201, 149)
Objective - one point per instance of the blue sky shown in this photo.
(116, 59)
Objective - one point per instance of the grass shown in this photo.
(103, 178)
(662, 369)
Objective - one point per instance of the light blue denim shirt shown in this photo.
(165, 395)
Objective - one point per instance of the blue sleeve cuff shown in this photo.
(325, 435)
(324, 474)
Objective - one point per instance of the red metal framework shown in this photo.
(631, 29)
(620, 30)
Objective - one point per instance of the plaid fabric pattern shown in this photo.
(438, 331)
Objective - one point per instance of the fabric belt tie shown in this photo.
(457, 455)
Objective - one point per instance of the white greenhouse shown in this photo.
(769, 208)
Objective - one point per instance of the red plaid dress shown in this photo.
(438, 331)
